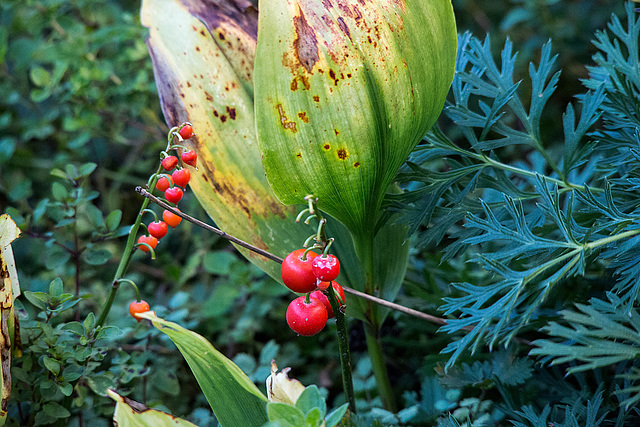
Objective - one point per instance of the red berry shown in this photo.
(306, 318)
(296, 273)
(137, 307)
(169, 162)
(158, 229)
(171, 219)
(326, 267)
(321, 286)
(164, 183)
(173, 194)
(181, 177)
(186, 132)
(149, 240)
(189, 157)
(324, 299)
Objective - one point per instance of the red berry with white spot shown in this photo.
(158, 229)
(306, 318)
(186, 132)
(326, 267)
(169, 163)
(164, 183)
(173, 194)
(149, 240)
(189, 157)
(181, 177)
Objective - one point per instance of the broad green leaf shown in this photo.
(344, 90)
(335, 417)
(55, 410)
(96, 256)
(234, 398)
(310, 399)
(56, 287)
(286, 414)
(131, 413)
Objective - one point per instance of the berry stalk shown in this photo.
(343, 346)
(131, 243)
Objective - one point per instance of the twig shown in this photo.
(206, 226)
(269, 255)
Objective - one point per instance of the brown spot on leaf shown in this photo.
(342, 153)
(299, 155)
(336, 131)
(287, 125)
(197, 48)
(303, 116)
(316, 98)
(182, 95)
(232, 112)
(332, 76)
(327, 146)
(343, 26)
(305, 44)
(202, 33)
(221, 35)
(215, 112)
(294, 85)
(223, 118)
(208, 96)
(356, 164)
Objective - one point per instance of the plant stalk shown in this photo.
(343, 346)
(365, 251)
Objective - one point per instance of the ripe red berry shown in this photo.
(171, 219)
(169, 162)
(173, 194)
(164, 183)
(137, 307)
(186, 132)
(306, 318)
(158, 229)
(189, 157)
(326, 267)
(324, 299)
(181, 177)
(296, 273)
(149, 240)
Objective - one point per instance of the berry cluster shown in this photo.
(173, 188)
(305, 271)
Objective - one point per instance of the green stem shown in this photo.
(364, 249)
(343, 346)
(374, 348)
(519, 171)
(126, 256)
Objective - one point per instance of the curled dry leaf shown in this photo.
(281, 388)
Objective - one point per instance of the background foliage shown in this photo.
(547, 179)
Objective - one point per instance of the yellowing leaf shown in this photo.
(129, 413)
(203, 60)
(8, 287)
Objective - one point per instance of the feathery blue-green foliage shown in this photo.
(535, 210)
